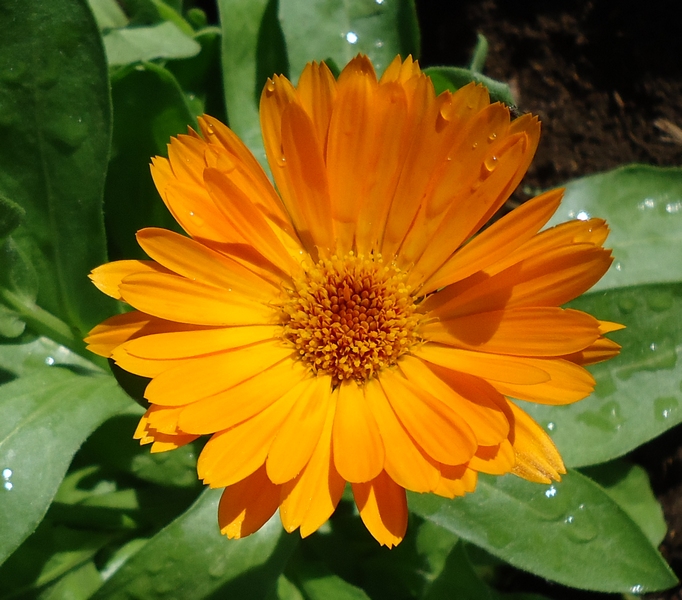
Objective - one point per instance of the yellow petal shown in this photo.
(383, 509)
(537, 458)
(108, 277)
(207, 375)
(494, 460)
(440, 432)
(247, 505)
(358, 449)
(300, 433)
(405, 462)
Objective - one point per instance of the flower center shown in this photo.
(350, 317)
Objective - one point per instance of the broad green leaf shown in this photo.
(643, 207)
(191, 559)
(453, 78)
(149, 108)
(638, 394)
(18, 288)
(285, 590)
(47, 555)
(458, 580)
(252, 50)
(629, 486)
(322, 29)
(139, 44)
(317, 582)
(55, 123)
(78, 584)
(561, 532)
(28, 356)
(46, 417)
(108, 14)
(11, 214)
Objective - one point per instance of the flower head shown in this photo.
(356, 325)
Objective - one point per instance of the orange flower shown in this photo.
(354, 326)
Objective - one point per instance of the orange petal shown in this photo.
(568, 383)
(247, 505)
(197, 262)
(108, 277)
(537, 458)
(456, 481)
(179, 299)
(309, 500)
(116, 330)
(358, 449)
(317, 92)
(208, 375)
(300, 433)
(472, 398)
(231, 455)
(405, 462)
(383, 509)
(601, 350)
(545, 331)
(497, 241)
(243, 401)
(491, 367)
(494, 460)
(438, 429)
(197, 342)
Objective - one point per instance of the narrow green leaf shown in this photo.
(140, 44)
(46, 417)
(629, 486)
(643, 207)
(561, 532)
(149, 107)
(55, 126)
(480, 54)
(453, 78)
(78, 584)
(249, 37)
(191, 559)
(324, 29)
(639, 393)
(11, 215)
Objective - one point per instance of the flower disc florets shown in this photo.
(350, 317)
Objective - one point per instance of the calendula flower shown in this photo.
(355, 324)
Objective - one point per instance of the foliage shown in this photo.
(88, 93)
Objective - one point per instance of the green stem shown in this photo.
(480, 54)
(45, 323)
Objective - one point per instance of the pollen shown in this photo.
(351, 316)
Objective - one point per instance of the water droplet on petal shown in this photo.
(492, 137)
(474, 145)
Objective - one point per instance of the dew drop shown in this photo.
(218, 568)
(551, 492)
(379, 1)
(618, 266)
(637, 589)
(664, 407)
(282, 161)
(491, 163)
(652, 346)
(647, 203)
(352, 37)
(551, 426)
(378, 44)
(474, 145)
(6, 474)
(191, 213)
(492, 137)
(270, 86)
(8, 485)
(49, 361)
(583, 215)
(627, 304)
(673, 207)
(581, 526)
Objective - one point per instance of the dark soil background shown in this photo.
(605, 78)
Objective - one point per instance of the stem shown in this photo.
(480, 54)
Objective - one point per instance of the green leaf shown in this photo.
(458, 580)
(629, 486)
(78, 584)
(480, 54)
(149, 108)
(321, 29)
(638, 394)
(46, 417)
(643, 207)
(25, 357)
(317, 582)
(453, 78)
(251, 41)
(11, 214)
(561, 532)
(140, 44)
(201, 77)
(47, 555)
(55, 125)
(191, 559)
(108, 14)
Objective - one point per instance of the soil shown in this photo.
(605, 78)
